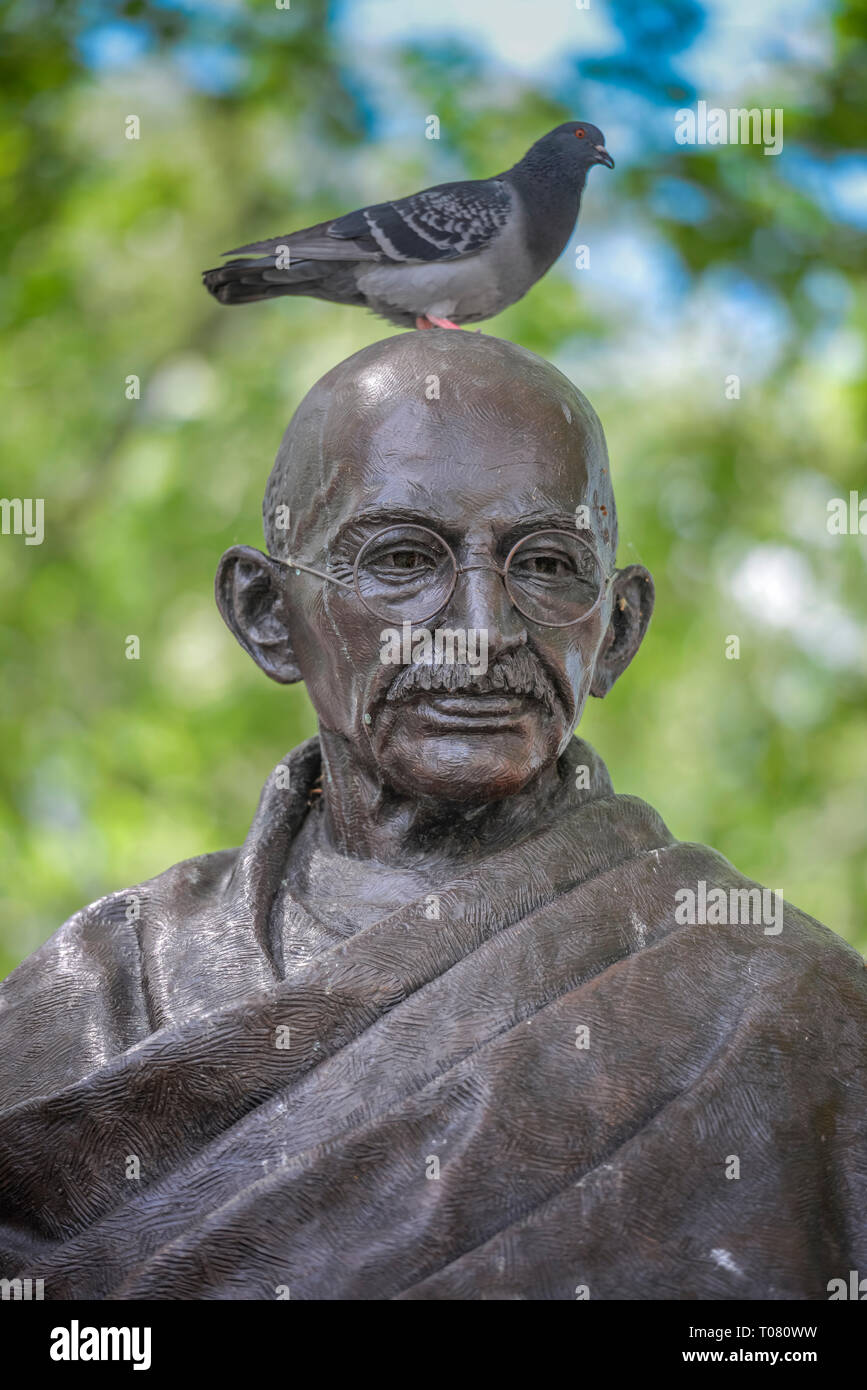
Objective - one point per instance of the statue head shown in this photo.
(441, 483)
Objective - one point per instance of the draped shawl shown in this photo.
(547, 1087)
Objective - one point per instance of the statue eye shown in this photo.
(405, 559)
(542, 565)
(580, 132)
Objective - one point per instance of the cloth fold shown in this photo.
(552, 1086)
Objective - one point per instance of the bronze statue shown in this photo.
(457, 1021)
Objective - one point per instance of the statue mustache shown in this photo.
(518, 672)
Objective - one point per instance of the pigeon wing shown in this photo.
(439, 224)
(442, 223)
(315, 244)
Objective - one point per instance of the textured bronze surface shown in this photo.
(438, 1029)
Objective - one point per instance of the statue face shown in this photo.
(514, 451)
(481, 484)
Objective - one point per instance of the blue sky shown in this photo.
(738, 52)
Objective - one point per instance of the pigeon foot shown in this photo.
(429, 321)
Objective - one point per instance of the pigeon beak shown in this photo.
(603, 157)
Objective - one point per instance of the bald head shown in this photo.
(488, 402)
(431, 443)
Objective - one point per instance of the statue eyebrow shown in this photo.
(380, 517)
(397, 516)
(543, 521)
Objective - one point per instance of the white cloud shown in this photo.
(529, 36)
(777, 587)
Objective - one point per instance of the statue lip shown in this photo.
(487, 710)
(483, 701)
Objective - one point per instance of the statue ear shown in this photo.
(251, 596)
(632, 604)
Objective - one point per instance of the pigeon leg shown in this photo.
(428, 321)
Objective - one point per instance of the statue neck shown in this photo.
(365, 819)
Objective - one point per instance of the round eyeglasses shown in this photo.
(407, 574)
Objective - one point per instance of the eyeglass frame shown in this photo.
(301, 565)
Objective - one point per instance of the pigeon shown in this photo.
(453, 254)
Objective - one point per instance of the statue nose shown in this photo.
(480, 601)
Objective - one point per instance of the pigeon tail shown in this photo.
(248, 281)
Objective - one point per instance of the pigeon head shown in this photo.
(574, 147)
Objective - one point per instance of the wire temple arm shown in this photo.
(320, 574)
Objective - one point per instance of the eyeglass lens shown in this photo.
(408, 573)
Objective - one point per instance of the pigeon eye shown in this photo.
(580, 133)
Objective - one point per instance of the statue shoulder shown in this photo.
(81, 997)
(760, 922)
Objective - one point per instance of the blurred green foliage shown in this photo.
(115, 768)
